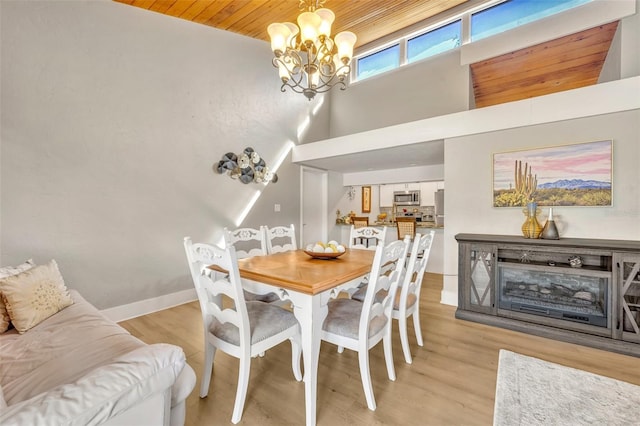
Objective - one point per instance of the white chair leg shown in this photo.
(241, 393)
(363, 358)
(388, 355)
(296, 352)
(209, 354)
(416, 326)
(340, 349)
(404, 339)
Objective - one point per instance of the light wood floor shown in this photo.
(451, 381)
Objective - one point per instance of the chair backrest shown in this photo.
(416, 265)
(379, 280)
(358, 235)
(248, 242)
(280, 239)
(210, 286)
(360, 222)
(406, 226)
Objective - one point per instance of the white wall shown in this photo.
(469, 184)
(630, 44)
(112, 117)
(425, 89)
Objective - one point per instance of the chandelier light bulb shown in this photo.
(309, 24)
(326, 20)
(345, 41)
(314, 78)
(291, 41)
(283, 71)
(279, 34)
(341, 69)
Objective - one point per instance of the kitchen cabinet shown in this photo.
(413, 186)
(427, 191)
(386, 195)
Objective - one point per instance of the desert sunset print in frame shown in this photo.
(568, 175)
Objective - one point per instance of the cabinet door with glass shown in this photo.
(628, 296)
(477, 270)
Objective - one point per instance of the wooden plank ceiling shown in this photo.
(368, 19)
(566, 63)
(561, 64)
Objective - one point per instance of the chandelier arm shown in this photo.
(291, 64)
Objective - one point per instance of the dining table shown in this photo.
(308, 283)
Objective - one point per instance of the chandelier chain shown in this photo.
(311, 5)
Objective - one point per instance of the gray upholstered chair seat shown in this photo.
(265, 298)
(411, 298)
(343, 319)
(266, 320)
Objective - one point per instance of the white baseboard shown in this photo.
(147, 306)
(449, 294)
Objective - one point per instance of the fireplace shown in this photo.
(584, 291)
(565, 295)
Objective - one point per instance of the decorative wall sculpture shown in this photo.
(246, 167)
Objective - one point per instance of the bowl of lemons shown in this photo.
(329, 250)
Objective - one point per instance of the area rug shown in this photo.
(530, 391)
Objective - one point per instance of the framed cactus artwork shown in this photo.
(568, 175)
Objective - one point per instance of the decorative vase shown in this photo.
(531, 227)
(550, 231)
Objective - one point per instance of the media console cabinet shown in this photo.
(584, 291)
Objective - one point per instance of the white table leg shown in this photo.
(310, 313)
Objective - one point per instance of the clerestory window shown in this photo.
(493, 19)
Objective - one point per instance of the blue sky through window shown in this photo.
(379, 62)
(514, 13)
(434, 42)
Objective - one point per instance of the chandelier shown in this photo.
(313, 62)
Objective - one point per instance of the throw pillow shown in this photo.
(34, 295)
(8, 271)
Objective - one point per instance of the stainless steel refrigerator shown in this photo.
(439, 207)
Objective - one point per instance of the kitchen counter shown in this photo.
(393, 224)
(418, 224)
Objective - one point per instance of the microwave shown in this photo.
(406, 198)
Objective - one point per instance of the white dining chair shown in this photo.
(280, 238)
(249, 242)
(358, 236)
(407, 299)
(244, 330)
(359, 326)
(362, 238)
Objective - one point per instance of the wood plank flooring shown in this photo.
(451, 381)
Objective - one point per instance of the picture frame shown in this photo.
(566, 175)
(366, 199)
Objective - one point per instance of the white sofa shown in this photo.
(79, 368)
